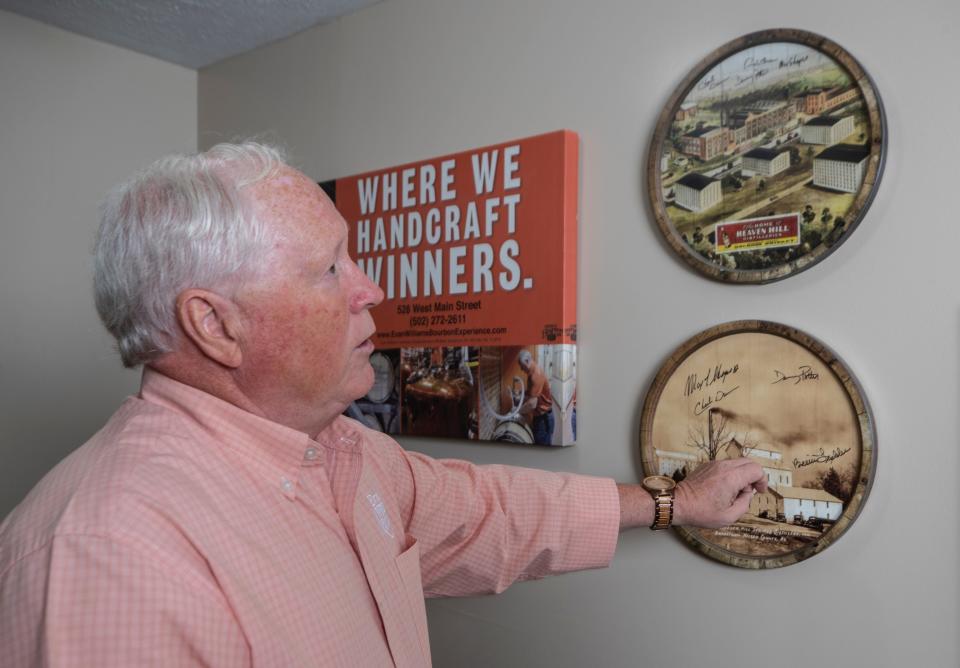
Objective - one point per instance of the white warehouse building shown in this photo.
(765, 162)
(777, 477)
(810, 503)
(841, 167)
(671, 461)
(772, 463)
(826, 130)
(696, 192)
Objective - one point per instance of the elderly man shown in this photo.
(228, 514)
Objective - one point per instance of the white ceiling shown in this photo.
(192, 33)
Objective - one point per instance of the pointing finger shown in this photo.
(750, 474)
(741, 504)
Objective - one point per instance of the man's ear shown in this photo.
(212, 323)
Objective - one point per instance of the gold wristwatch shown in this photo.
(661, 489)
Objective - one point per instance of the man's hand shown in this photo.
(714, 495)
(717, 493)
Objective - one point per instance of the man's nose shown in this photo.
(365, 293)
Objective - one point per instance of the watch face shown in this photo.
(659, 483)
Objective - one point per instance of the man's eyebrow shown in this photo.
(331, 255)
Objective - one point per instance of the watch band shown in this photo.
(662, 511)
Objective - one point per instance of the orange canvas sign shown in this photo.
(476, 248)
(476, 253)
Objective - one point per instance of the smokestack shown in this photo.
(710, 414)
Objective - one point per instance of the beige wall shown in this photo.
(76, 116)
(411, 79)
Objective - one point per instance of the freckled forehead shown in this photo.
(296, 204)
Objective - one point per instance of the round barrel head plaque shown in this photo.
(766, 157)
(781, 398)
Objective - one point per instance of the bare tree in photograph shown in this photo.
(716, 439)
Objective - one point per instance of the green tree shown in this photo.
(731, 182)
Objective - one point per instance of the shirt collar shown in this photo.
(276, 450)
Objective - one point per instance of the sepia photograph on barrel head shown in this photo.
(769, 399)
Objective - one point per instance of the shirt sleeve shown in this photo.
(92, 601)
(481, 528)
(537, 381)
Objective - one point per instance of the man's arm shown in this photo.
(528, 405)
(533, 396)
(480, 528)
(714, 495)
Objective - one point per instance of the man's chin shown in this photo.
(364, 382)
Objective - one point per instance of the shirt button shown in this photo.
(311, 454)
(286, 484)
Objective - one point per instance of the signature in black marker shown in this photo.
(806, 373)
(711, 82)
(821, 458)
(710, 399)
(794, 61)
(753, 62)
(718, 373)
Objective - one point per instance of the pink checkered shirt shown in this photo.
(190, 532)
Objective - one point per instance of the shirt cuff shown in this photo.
(594, 522)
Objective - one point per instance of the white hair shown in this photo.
(525, 357)
(180, 223)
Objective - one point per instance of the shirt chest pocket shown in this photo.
(408, 569)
